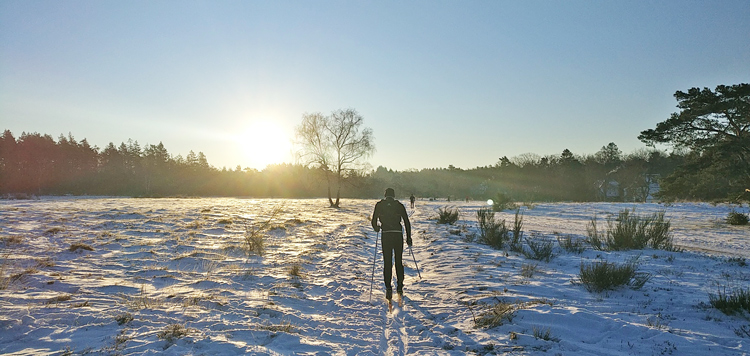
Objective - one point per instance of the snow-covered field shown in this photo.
(171, 276)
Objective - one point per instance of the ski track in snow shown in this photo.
(157, 263)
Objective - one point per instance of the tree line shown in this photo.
(710, 160)
(37, 164)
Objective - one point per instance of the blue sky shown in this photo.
(439, 82)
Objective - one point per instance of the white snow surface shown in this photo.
(178, 265)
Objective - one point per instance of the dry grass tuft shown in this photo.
(77, 246)
(284, 326)
(295, 270)
(5, 281)
(123, 318)
(194, 225)
(143, 301)
(544, 334)
(11, 240)
(53, 230)
(59, 298)
(82, 304)
(496, 315)
(528, 270)
(255, 233)
(45, 262)
(172, 332)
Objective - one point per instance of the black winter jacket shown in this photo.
(390, 212)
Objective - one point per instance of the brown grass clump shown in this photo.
(284, 326)
(45, 262)
(11, 240)
(295, 270)
(496, 315)
(53, 230)
(172, 332)
(60, 298)
(255, 233)
(80, 246)
(123, 318)
(5, 281)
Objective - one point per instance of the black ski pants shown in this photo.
(393, 246)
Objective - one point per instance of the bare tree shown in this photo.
(335, 144)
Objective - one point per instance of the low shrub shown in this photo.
(491, 232)
(733, 302)
(447, 215)
(736, 218)
(540, 250)
(602, 275)
(629, 231)
(570, 244)
(515, 243)
(503, 202)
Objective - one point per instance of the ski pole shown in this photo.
(374, 256)
(415, 262)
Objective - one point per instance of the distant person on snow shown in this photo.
(412, 199)
(390, 212)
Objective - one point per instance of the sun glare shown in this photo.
(264, 143)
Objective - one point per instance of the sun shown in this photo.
(264, 142)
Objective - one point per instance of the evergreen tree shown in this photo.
(715, 127)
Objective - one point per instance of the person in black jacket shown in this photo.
(391, 212)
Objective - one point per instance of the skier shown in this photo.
(390, 212)
(411, 199)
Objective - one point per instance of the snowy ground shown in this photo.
(170, 276)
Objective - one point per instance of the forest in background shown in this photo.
(711, 162)
(37, 164)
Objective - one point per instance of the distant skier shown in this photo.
(390, 212)
(412, 199)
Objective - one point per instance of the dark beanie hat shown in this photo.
(390, 192)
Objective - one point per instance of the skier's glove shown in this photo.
(408, 240)
(377, 228)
